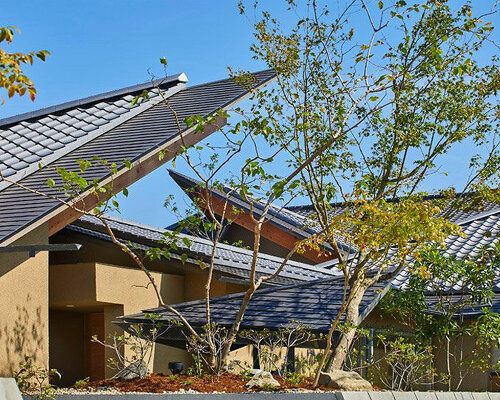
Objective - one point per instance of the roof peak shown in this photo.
(181, 78)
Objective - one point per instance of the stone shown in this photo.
(9, 389)
(344, 380)
(263, 380)
(137, 369)
(255, 371)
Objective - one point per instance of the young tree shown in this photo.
(213, 213)
(435, 309)
(370, 99)
(361, 117)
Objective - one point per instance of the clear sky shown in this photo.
(103, 45)
(97, 46)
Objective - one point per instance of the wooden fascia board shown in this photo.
(64, 215)
(139, 169)
(57, 223)
(268, 231)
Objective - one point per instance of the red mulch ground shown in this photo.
(158, 383)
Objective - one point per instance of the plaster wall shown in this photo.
(114, 291)
(24, 327)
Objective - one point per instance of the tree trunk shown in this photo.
(339, 355)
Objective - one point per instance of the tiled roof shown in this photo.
(230, 260)
(467, 311)
(313, 303)
(282, 217)
(481, 231)
(104, 125)
(458, 216)
(46, 135)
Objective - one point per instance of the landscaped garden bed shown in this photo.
(159, 383)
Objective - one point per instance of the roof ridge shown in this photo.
(56, 155)
(302, 229)
(481, 215)
(91, 99)
(225, 79)
(258, 202)
(396, 199)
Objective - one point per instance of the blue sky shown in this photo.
(98, 46)
(103, 45)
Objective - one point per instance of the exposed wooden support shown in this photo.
(127, 176)
(269, 231)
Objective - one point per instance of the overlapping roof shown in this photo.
(282, 217)
(313, 304)
(316, 303)
(231, 261)
(106, 125)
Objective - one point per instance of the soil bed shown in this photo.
(159, 383)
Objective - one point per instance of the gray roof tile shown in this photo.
(231, 260)
(116, 139)
(312, 303)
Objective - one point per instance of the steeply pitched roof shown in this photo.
(230, 261)
(282, 217)
(457, 217)
(312, 303)
(45, 135)
(106, 126)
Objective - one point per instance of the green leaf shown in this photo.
(163, 61)
(51, 183)
(380, 5)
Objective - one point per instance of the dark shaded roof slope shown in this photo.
(313, 304)
(281, 217)
(470, 310)
(231, 261)
(106, 126)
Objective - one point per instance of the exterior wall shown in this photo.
(194, 287)
(101, 251)
(475, 381)
(24, 311)
(115, 291)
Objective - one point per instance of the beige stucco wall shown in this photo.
(474, 380)
(24, 305)
(116, 291)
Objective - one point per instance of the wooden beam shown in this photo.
(127, 176)
(269, 231)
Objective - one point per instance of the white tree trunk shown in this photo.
(339, 355)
